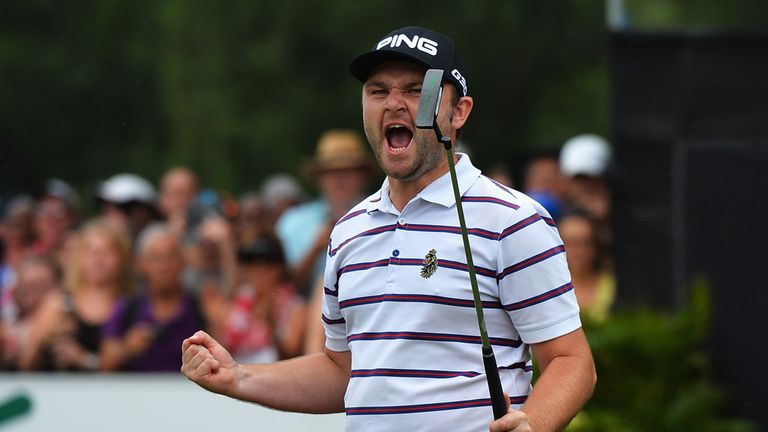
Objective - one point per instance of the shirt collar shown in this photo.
(439, 191)
(380, 200)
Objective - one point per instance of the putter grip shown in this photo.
(494, 383)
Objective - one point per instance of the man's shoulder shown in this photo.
(500, 199)
(361, 208)
(363, 216)
(487, 190)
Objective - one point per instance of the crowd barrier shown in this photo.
(137, 402)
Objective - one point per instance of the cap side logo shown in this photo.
(460, 78)
(420, 43)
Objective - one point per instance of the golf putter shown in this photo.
(426, 115)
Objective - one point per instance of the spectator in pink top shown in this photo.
(265, 320)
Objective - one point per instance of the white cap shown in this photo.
(123, 188)
(585, 154)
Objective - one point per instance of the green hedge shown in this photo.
(654, 373)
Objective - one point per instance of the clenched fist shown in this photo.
(206, 363)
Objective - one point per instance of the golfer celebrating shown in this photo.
(402, 345)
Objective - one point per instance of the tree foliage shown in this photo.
(241, 89)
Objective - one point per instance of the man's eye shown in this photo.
(378, 92)
(415, 91)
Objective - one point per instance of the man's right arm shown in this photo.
(312, 384)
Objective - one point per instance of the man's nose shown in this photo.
(395, 100)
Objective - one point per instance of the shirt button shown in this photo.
(395, 253)
(401, 221)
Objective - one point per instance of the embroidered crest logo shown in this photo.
(430, 264)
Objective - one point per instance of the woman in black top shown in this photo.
(66, 335)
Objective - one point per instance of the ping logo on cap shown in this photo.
(420, 43)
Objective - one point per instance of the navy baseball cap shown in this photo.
(415, 44)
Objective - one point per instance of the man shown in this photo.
(341, 169)
(280, 192)
(585, 160)
(17, 238)
(128, 202)
(179, 187)
(55, 217)
(37, 276)
(402, 351)
(544, 183)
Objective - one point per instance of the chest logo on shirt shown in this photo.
(429, 266)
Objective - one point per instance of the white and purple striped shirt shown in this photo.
(415, 344)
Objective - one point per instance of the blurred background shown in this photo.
(208, 136)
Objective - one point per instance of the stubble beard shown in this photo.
(428, 154)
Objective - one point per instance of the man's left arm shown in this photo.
(565, 384)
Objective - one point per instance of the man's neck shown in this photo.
(402, 192)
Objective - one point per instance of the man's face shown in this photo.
(52, 219)
(342, 188)
(177, 191)
(390, 101)
(543, 175)
(162, 263)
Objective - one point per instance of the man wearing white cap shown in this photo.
(128, 202)
(585, 161)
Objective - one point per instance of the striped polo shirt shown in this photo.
(414, 341)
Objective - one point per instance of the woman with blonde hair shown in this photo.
(66, 335)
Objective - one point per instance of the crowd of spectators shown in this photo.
(573, 185)
(119, 289)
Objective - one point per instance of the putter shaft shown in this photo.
(489, 358)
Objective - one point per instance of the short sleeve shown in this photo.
(535, 286)
(333, 322)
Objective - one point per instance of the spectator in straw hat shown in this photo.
(341, 169)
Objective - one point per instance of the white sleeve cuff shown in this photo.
(552, 331)
(336, 344)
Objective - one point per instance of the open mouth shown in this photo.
(398, 138)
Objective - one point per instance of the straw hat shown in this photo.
(339, 149)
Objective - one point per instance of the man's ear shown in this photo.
(461, 112)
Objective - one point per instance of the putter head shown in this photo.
(429, 100)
